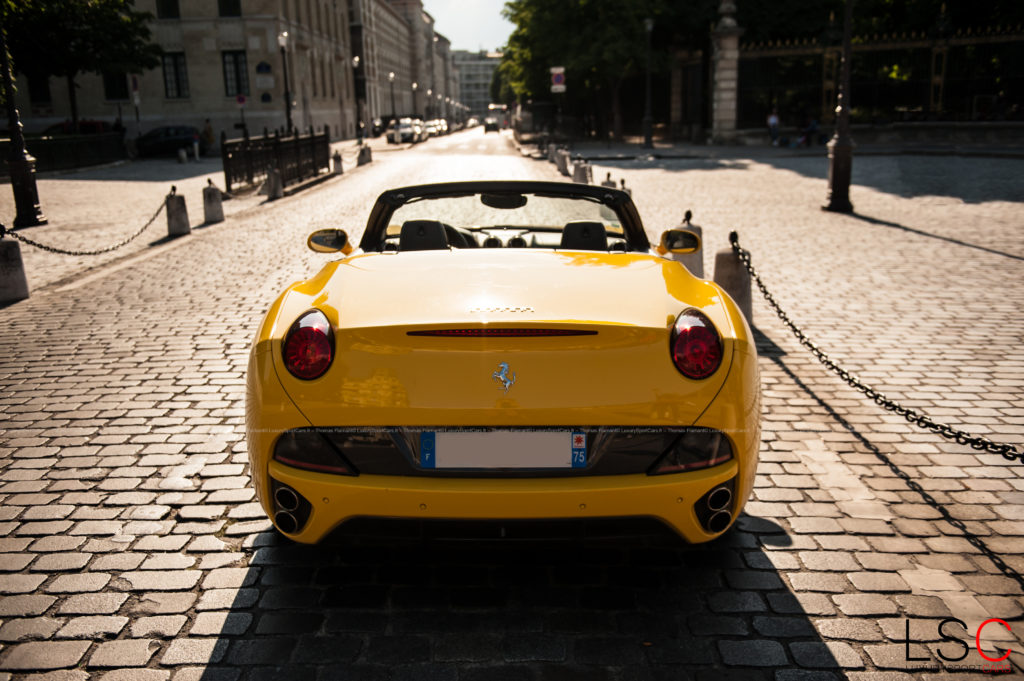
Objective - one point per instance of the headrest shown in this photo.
(422, 235)
(584, 236)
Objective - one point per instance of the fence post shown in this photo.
(247, 153)
(224, 160)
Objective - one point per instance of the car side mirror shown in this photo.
(329, 241)
(679, 241)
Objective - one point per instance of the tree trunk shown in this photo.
(616, 86)
(73, 101)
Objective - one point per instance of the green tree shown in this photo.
(65, 38)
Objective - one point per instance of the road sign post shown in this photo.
(557, 79)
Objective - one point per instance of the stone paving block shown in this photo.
(129, 653)
(163, 603)
(42, 655)
(136, 675)
(20, 584)
(92, 604)
(865, 604)
(93, 627)
(29, 629)
(195, 651)
(79, 583)
(221, 623)
(160, 626)
(162, 580)
(753, 653)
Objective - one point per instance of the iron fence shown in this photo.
(298, 157)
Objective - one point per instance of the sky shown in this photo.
(470, 24)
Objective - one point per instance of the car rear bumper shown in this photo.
(333, 500)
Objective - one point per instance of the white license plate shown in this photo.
(503, 449)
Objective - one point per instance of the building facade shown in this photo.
(225, 60)
(475, 71)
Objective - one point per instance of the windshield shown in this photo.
(504, 220)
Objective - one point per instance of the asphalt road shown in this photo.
(131, 549)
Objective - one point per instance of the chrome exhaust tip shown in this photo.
(719, 499)
(719, 521)
(286, 498)
(286, 522)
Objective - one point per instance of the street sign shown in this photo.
(557, 78)
(241, 101)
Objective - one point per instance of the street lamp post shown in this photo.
(648, 122)
(21, 164)
(391, 79)
(840, 147)
(415, 108)
(429, 103)
(282, 41)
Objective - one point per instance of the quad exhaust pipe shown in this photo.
(286, 522)
(286, 499)
(714, 510)
(719, 499)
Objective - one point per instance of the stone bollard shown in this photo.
(338, 170)
(552, 150)
(693, 261)
(581, 171)
(182, 156)
(609, 182)
(275, 187)
(365, 155)
(13, 283)
(177, 214)
(213, 211)
(734, 278)
(562, 161)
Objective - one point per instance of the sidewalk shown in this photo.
(633, 148)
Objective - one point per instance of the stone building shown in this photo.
(222, 60)
(475, 71)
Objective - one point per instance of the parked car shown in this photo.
(491, 123)
(430, 129)
(404, 130)
(537, 358)
(168, 139)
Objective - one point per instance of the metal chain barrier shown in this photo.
(1008, 451)
(53, 249)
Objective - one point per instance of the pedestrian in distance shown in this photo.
(207, 136)
(773, 126)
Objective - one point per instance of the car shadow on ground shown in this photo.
(440, 607)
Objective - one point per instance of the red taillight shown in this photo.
(309, 346)
(696, 346)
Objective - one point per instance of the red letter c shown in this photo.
(977, 640)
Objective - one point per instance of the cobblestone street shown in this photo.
(132, 549)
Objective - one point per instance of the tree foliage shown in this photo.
(65, 38)
(602, 43)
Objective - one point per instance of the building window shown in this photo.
(229, 8)
(175, 76)
(167, 9)
(115, 86)
(39, 89)
(236, 76)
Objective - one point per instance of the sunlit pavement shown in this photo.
(131, 547)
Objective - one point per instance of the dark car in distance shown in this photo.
(491, 123)
(168, 139)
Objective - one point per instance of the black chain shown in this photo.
(62, 251)
(1009, 452)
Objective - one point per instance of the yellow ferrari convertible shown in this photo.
(503, 350)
